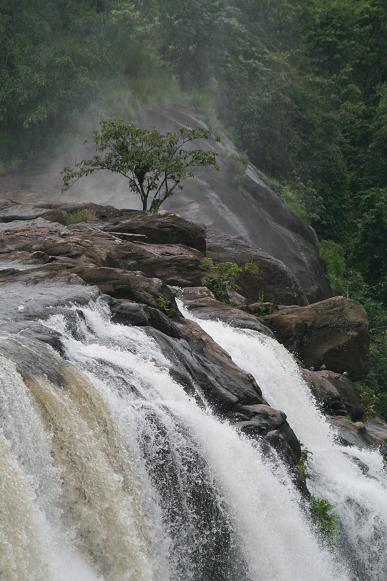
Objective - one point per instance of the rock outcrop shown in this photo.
(160, 228)
(371, 434)
(270, 281)
(335, 393)
(204, 305)
(332, 333)
(131, 269)
(235, 200)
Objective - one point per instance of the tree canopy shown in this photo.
(155, 164)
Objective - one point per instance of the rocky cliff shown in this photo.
(52, 255)
(235, 200)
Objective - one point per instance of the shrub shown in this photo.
(369, 402)
(221, 277)
(303, 463)
(322, 516)
(165, 305)
(81, 215)
(332, 255)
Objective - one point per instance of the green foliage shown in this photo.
(304, 461)
(251, 267)
(322, 516)
(333, 257)
(154, 164)
(221, 277)
(292, 201)
(81, 215)
(165, 305)
(351, 283)
(368, 401)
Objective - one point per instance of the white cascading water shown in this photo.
(360, 499)
(114, 473)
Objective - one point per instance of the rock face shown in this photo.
(131, 271)
(204, 305)
(263, 420)
(161, 228)
(235, 200)
(335, 393)
(271, 280)
(363, 435)
(333, 333)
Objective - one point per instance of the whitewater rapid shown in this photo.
(359, 498)
(110, 471)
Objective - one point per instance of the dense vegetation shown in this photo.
(300, 84)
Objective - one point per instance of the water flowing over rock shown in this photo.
(352, 479)
(148, 483)
(138, 443)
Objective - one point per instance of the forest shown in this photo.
(300, 85)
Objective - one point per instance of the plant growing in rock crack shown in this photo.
(81, 215)
(324, 519)
(154, 164)
(303, 463)
(222, 277)
(165, 305)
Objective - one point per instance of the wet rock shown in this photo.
(335, 393)
(263, 420)
(123, 284)
(376, 428)
(125, 312)
(161, 228)
(371, 434)
(333, 332)
(204, 306)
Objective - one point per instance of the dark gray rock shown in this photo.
(161, 228)
(125, 312)
(263, 420)
(335, 393)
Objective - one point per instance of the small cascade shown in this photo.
(122, 476)
(360, 499)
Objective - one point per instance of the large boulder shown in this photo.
(333, 333)
(161, 228)
(271, 280)
(335, 393)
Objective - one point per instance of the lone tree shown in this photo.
(154, 163)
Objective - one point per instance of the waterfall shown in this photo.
(360, 499)
(111, 472)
